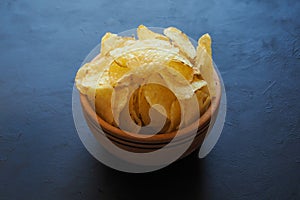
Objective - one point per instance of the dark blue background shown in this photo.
(256, 45)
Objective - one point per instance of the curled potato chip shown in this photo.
(148, 57)
(153, 56)
(175, 116)
(112, 41)
(158, 94)
(133, 101)
(182, 41)
(144, 33)
(150, 114)
(119, 100)
(177, 83)
(198, 84)
(131, 46)
(190, 114)
(116, 72)
(90, 74)
(131, 122)
(205, 42)
(103, 103)
(143, 107)
(204, 62)
(153, 94)
(201, 90)
(186, 71)
(203, 100)
(160, 123)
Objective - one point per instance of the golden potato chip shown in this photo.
(186, 71)
(144, 33)
(143, 107)
(175, 116)
(153, 56)
(190, 110)
(205, 42)
(150, 57)
(112, 41)
(116, 72)
(103, 103)
(130, 122)
(158, 94)
(205, 105)
(201, 90)
(131, 46)
(204, 62)
(172, 76)
(133, 107)
(89, 74)
(176, 82)
(198, 84)
(80, 78)
(119, 100)
(182, 41)
(159, 122)
(139, 106)
(189, 103)
(204, 101)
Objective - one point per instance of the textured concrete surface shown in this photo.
(256, 45)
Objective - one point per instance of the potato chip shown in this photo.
(160, 123)
(80, 78)
(204, 101)
(150, 57)
(119, 100)
(158, 94)
(205, 105)
(175, 116)
(89, 74)
(205, 42)
(201, 90)
(140, 108)
(204, 62)
(191, 110)
(131, 46)
(116, 72)
(198, 84)
(103, 103)
(112, 41)
(177, 83)
(144, 33)
(133, 108)
(186, 71)
(182, 41)
(130, 122)
(143, 107)
(153, 56)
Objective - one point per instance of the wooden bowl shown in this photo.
(134, 143)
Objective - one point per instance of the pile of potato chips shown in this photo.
(144, 81)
